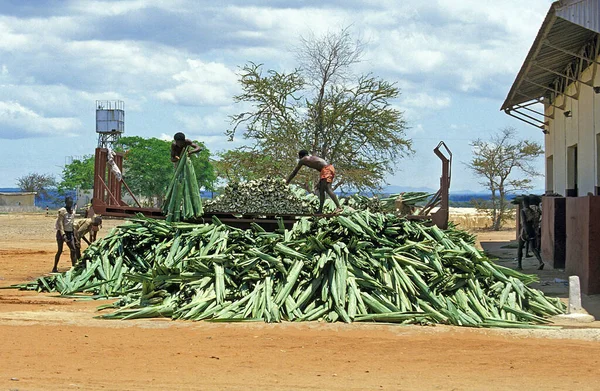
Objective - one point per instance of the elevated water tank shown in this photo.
(110, 122)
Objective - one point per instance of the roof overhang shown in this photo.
(554, 61)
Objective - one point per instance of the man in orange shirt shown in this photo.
(326, 178)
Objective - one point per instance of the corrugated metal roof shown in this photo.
(585, 13)
(544, 61)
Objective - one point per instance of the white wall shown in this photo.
(579, 129)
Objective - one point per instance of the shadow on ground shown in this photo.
(553, 282)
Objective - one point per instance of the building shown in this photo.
(558, 91)
(17, 199)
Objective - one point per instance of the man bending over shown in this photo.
(327, 174)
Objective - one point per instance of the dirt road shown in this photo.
(51, 343)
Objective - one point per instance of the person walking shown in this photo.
(64, 232)
(528, 234)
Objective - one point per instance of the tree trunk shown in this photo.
(497, 222)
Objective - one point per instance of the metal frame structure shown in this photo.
(107, 190)
(441, 199)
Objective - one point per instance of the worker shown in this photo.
(529, 223)
(327, 173)
(178, 145)
(535, 204)
(82, 227)
(90, 214)
(64, 232)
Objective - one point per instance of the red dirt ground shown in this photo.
(51, 343)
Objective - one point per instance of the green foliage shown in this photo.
(148, 168)
(347, 120)
(78, 173)
(39, 183)
(497, 162)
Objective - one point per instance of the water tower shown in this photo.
(110, 122)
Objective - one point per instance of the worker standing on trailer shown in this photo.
(327, 173)
(178, 144)
(82, 227)
(64, 232)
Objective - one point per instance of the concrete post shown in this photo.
(575, 312)
(574, 295)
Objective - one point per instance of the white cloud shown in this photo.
(9, 39)
(209, 124)
(202, 83)
(165, 137)
(425, 100)
(135, 63)
(455, 45)
(112, 8)
(415, 130)
(219, 143)
(17, 121)
(417, 105)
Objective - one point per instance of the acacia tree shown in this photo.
(39, 183)
(321, 106)
(497, 162)
(237, 165)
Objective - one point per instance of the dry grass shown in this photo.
(472, 220)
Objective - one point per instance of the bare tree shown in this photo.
(40, 183)
(497, 162)
(324, 62)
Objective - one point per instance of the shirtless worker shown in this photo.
(178, 144)
(327, 174)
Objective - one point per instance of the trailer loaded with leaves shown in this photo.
(356, 267)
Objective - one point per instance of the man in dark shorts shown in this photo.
(178, 144)
(327, 173)
(64, 232)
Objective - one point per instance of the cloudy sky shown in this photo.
(174, 63)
